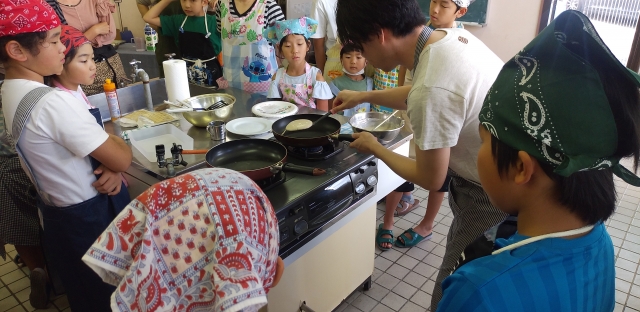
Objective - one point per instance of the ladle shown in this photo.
(387, 119)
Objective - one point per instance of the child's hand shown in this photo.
(346, 99)
(109, 182)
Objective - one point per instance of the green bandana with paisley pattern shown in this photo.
(550, 102)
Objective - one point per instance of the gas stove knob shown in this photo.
(301, 227)
(295, 211)
(359, 171)
(372, 180)
(372, 163)
(360, 188)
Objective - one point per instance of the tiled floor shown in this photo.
(404, 278)
(14, 288)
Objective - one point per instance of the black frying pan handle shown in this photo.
(288, 167)
(345, 137)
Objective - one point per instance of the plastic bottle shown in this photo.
(150, 37)
(112, 99)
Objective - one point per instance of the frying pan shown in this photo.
(256, 158)
(322, 133)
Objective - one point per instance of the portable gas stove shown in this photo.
(307, 205)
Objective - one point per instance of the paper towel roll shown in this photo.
(176, 80)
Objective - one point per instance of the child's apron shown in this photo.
(300, 94)
(197, 50)
(249, 60)
(70, 231)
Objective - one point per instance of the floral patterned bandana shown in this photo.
(548, 100)
(207, 240)
(303, 26)
(72, 38)
(26, 16)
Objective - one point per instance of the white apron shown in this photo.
(249, 60)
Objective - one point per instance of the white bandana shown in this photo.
(353, 74)
(463, 3)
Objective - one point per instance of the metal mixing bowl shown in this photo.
(365, 122)
(202, 118)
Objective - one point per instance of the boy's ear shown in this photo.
(383, 35)
(461, 12)
(16, 51)
(523, 168)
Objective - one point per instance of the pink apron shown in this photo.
(300, 94)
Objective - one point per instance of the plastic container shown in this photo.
(140, 44)
(126, 35)
(145, 140)
(112, 99)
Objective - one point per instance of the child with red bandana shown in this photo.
(61, 148)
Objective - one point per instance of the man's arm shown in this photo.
(321, 56)
(318, 13)
(114, 154)
(428, 170)
(393, 98)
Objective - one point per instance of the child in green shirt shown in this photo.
(199, 46)
(353, 64)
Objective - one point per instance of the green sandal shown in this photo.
(414, 240)
(381, 240)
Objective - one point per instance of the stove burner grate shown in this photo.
(272, 181)
(315, 153)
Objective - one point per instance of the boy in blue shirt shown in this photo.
(554, 126)
(196, 36)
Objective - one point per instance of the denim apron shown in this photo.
(198, 51)
(70, 231)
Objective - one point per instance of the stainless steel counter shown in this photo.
(149, 173)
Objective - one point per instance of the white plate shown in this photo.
(274, 109)
(249, 126)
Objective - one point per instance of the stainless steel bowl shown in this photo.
(365, 122)
(203, 118)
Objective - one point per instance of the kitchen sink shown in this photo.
(131, 98)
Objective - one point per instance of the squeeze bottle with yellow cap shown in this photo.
(112, 99)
